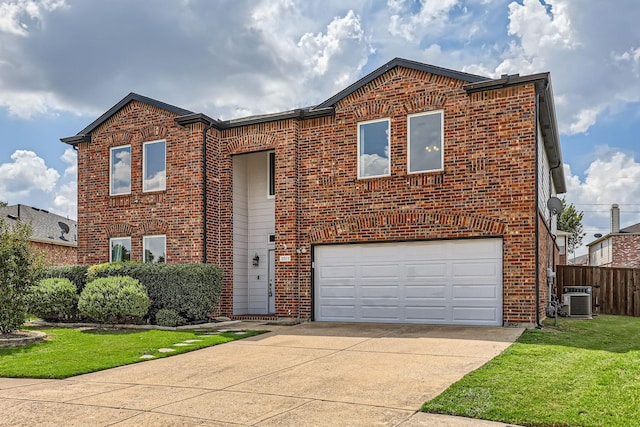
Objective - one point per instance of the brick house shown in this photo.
(619, 248)
(417, 194)
(53, 236)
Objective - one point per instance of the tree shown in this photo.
(19, 269)
(2, 204)
(570, 220)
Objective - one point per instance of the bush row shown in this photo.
(179, 293)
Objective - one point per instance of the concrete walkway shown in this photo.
(313, 374)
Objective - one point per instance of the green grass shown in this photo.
(69, 352)
(583, 373)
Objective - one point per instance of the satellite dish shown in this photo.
(597, 235)
(64, 229)
(555, 205)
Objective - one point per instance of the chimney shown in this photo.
(615, 218)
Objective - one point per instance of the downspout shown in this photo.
(535, 217)
(204, 191)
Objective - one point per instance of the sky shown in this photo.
(65, 62)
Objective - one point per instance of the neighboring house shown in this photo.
(52, 235)
(562, 240)
(619, 248)
(417, 194)
(578, 260)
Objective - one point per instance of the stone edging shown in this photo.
(29, 338)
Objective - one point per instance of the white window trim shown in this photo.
(269, 177)
(111, 193)
(388, 120)
(111, 246)
(144, 165)
(409, 171)
(144, 245)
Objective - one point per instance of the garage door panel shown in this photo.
(479, 315)
(376, 271)
(474, 292)
(425, 291)
(425, 271)
(443, 282)
(475, 269)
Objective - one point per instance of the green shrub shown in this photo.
(118, 299)
(53, 299)
(77, 274)
(191, 290)
(165, 317)
(19, 269)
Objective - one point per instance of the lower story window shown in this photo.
(120, 249)
(154, 248)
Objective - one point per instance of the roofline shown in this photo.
(84, 134)
(609, 235)
(53, 242)
(301, 114)
(548, 124)
(400, 62)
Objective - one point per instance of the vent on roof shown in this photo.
(12, 216)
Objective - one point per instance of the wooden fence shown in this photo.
(615, 290)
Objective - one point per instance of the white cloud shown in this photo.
(17, 16)
(71, 158)
(374, 164)
(610, 179)
(26, 174)
(65, 202)
(430, 18)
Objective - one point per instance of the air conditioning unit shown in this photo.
(577, 299)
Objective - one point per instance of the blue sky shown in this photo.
(65, 62)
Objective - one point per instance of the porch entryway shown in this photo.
(253, 234)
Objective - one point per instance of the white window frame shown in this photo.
(360, 124)
(144, 165)
(111, 193)
(271, 175)
(426, 113)
(144, 246)
(111, 246)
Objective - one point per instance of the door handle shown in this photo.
(270, 288)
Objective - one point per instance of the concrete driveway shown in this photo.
(311, 374)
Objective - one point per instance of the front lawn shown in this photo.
(69, 352)
(583, 373)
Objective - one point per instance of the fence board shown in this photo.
(615, 290)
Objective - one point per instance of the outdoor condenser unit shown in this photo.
(577, 299)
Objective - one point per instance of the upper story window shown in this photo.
(271, 191)
(374, 158)
(154, 176)
(120, 170)
(154, 248)
(120, 249)
(425, 142)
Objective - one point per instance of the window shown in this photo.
(373, 148)
(154, 248)
(120, 170)
(425, 142)
(120, 249)
(154, 166)
(272, 175)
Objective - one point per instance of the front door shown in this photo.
(271, 281)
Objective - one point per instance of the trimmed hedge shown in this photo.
(77, 274)
(118, 299)
(53, 299)
(190, 290)
(165, 317)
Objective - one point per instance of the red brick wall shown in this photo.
(176, 212)
(56, 254)
(487, 188)
(626, 251)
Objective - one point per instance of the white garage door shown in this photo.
(457, 282)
